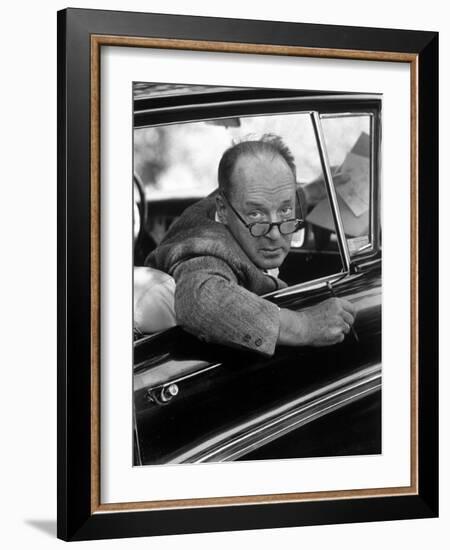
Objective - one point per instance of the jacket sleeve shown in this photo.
(211, 304)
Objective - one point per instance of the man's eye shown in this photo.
(286, 211)
(255, 215)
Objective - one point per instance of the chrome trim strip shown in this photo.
(373, 186)
(192, 374)
(344, 115)
(368, 246)
(301, 417)
(342, 243)
(136, 437)
(306, 286)
(369, 263)
(303, 421)
(185, 377)
(299, 408)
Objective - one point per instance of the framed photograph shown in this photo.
(247, 256)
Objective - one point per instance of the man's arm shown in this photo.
(211, 304)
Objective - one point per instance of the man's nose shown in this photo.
(274, 233)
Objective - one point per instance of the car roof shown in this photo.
(143, 91)
(162, 103)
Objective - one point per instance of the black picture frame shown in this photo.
(79, 517)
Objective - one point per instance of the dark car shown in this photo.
(196, 401)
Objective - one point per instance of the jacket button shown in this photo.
(247, 338)
(258, 342)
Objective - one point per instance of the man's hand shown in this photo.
(324, 324)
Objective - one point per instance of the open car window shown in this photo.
(178, 163)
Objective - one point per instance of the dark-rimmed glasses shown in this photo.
(260, 229)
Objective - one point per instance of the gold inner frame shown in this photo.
(97, 41)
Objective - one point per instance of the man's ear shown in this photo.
(221, 209)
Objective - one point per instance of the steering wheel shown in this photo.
(140, 205)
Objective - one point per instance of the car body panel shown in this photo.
(222, 390)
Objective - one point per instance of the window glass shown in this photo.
(348, 141)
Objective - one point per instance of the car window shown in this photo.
(349, 140)
(178, 163)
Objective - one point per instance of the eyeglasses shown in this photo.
(259, 229)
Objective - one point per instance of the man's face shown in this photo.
(263, 189)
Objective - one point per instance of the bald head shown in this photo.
(270, 147)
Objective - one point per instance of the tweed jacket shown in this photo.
(218, 288)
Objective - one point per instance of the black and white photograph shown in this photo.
(225, 284)
(257, 295)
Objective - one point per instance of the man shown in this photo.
(225, 251)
